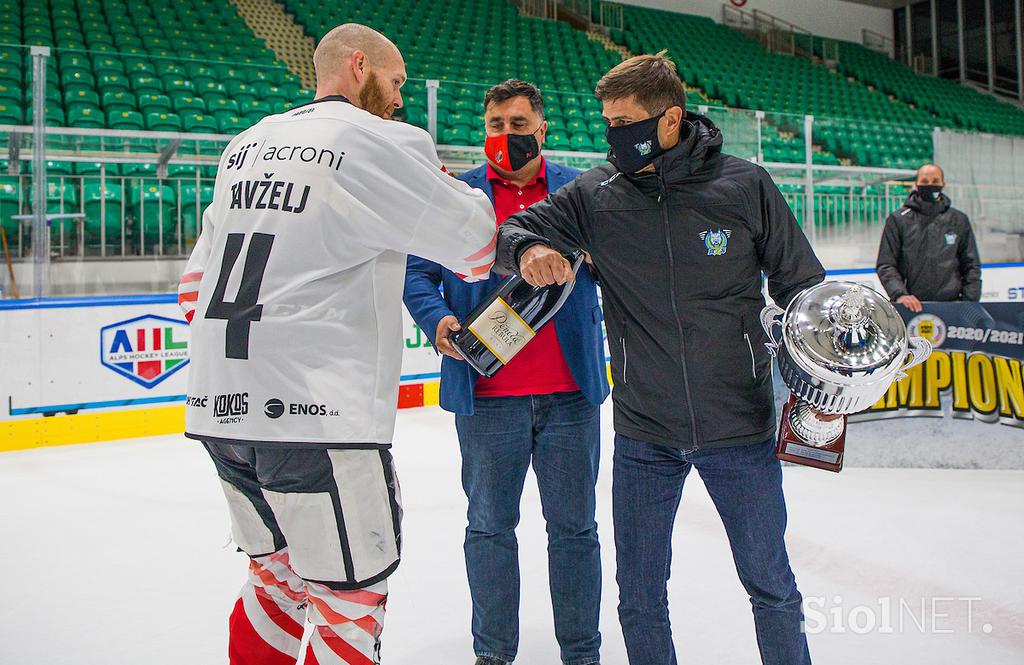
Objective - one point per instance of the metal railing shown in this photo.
(611, 16)
(878, 42)
(778, 35)
(106, 215)
(538, 8)
(579, 8)
(116, 195)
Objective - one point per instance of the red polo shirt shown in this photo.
(540, 367)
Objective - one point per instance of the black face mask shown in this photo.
(512, 151)
(636, 145)
(929, 193)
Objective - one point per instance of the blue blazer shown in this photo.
(577, 324)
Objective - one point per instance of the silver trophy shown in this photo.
(839, 346)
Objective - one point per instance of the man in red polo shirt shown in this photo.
(540, 409)
(540, 368)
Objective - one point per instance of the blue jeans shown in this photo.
(560, 435)
(745, 484)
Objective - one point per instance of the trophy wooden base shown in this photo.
(791, 448)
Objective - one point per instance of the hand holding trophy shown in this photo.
(841, 346)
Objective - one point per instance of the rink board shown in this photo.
(77, 370)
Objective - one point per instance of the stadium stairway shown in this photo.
(278, 30)
(469, 45)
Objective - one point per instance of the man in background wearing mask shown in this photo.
(543, 407)
(928, 251)
(679, 234)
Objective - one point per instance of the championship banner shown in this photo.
(974, 371)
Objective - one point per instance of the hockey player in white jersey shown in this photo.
(294, 293)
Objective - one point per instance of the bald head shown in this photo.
(931, 174)
(363, 65)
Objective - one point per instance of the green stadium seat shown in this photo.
(230, 123)
(558, 141)
(74, 62)
(59, 167)
(112, 169)
(54, 114)
(241, 92)
(222, 105)
(149, 103)
(173, 84)
(145, 83)
(106, 64)
(258, 108)
(125, 120)
(582, 142)
(198, 122)
(460, 135)
(211, 91)
(86, 116)
(82, 98)
(173, 69)
(152, 206)
(10, 115)
(61, 195)
(10, 75)
(194, 200)
(102, 206)
(10, 93)
(10, 205)
(139, 66)
(163, 121)
(181, 102)
(416, 115)
(78, 80)
(200, 70)
(119, 101)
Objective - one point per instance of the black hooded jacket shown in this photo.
(679, 253)
(928, 251)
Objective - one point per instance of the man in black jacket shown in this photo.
(928, 251)
(679, 235)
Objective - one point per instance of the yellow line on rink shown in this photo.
(40, 432)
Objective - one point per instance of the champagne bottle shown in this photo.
(505, 321)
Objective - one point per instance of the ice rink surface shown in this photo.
(117, 554)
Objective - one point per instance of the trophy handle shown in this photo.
(771, 316)
(920, 349)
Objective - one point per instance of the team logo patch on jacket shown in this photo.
(950, 238)
(717, 242)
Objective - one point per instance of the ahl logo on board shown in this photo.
(146, 349)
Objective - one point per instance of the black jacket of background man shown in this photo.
(679, 253)
(928, 251)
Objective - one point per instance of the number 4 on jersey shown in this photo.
(241, 313)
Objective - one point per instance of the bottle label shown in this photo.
(501, 330)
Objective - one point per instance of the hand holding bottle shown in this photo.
(542, 266)
(506, 320)
(445, 327)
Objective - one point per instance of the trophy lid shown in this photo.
(845, 328)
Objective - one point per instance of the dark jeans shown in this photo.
(745, 483)
(560, 435)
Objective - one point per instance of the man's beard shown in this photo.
(373, 99)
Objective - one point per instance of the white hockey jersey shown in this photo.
(294, 288)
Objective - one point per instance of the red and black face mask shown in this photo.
(512, 152)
